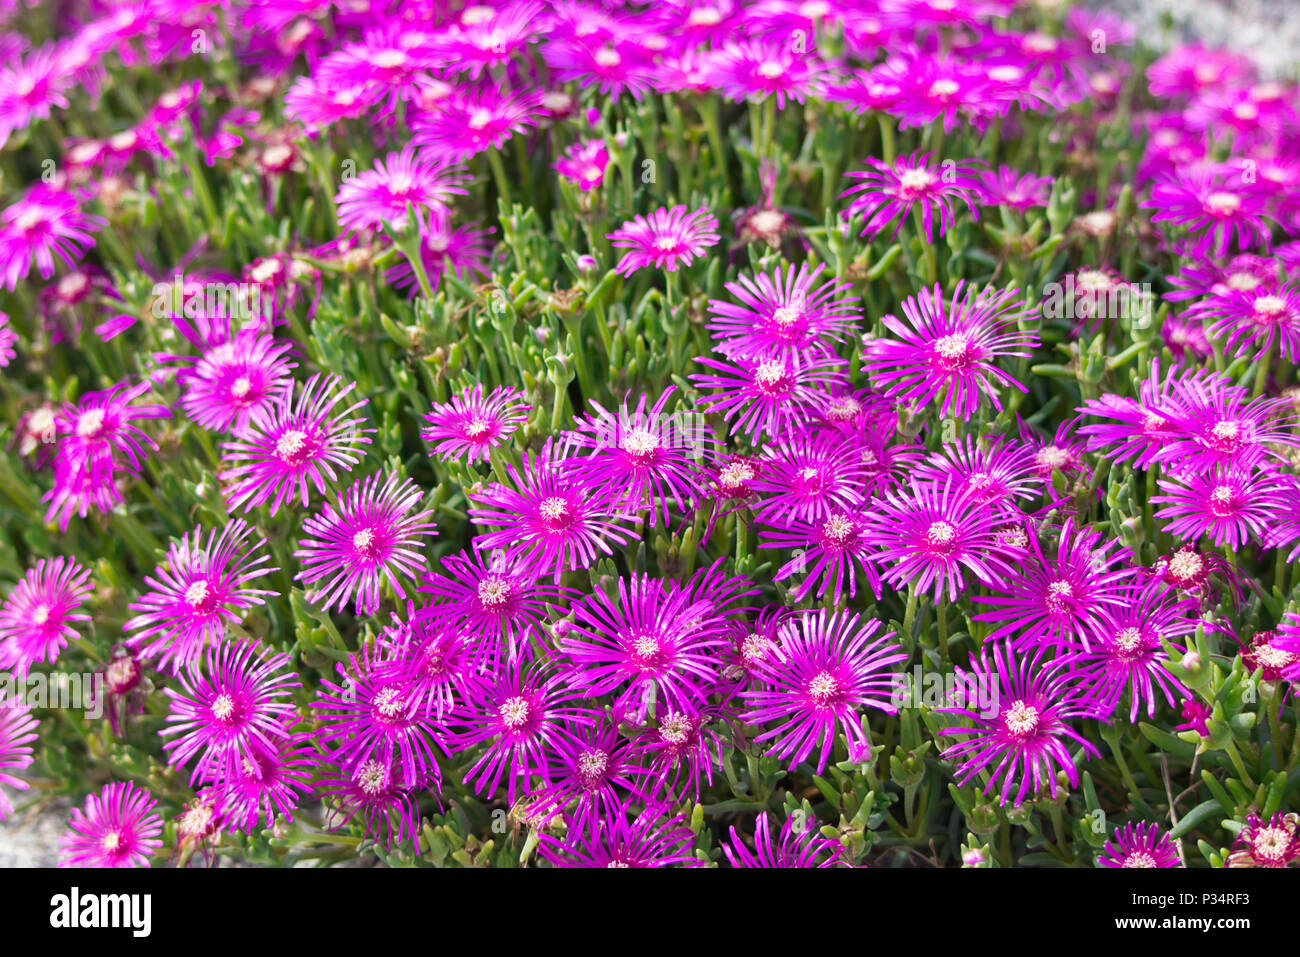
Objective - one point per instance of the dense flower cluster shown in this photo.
(726, 450)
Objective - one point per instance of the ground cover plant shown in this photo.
(801, 434)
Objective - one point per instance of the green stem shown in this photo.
(909, 615)
(499, 174)
(1261, 372)
(886, 137)
(931, 258)
(941, 613)
(1235, 756)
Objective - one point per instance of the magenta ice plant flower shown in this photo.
(370, 537)
(1058, 598)
(665, 239)
(301, 441)
(381, 195)
(375, 715)
(46, 226)
(649, 637)
(584, 164)
(650, 840)
(887, 193)
(510, 718)
(118, 826)
(645, 458)
(236, 381)
(950, 348)
(827, 552)
(548, 516)
(1215, 207)
(783, 314)
(17, 732)
(767, 395)
(473, 424)
(799, 844)
(1020, 735)
(1139, 845)
(36, 619)
(493, 599)
(828, 667)
(473, 120)
(930, 537)
(1128, 654)
(1229, 505)
(201, 587)
(241, 699)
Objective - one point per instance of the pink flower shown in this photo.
(117, 827)
(665, 239)
(36, 619)
(368, 538)
(585, 164)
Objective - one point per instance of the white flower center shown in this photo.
(823, 687)
(769, 374)
(837, 529)
(915, 180)
(592, 764)
(554, 509)
(1129, 639)
(1222, 499)
(1271, 843)
(372, 777)
(1057, 594)
(640, 443)
(290, 444)
(1222, 203)
(388, 59)
(735, 475)
(1186, 565)
(786, 316)
(388, 702)
(675, 729)
(1270, 306)
(223, 707)
(645, 647)
(197, 593)
(493, 591)
(1052, 456)
(514, 712)
(90, 422)
(1021, 719)
(940, 533)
